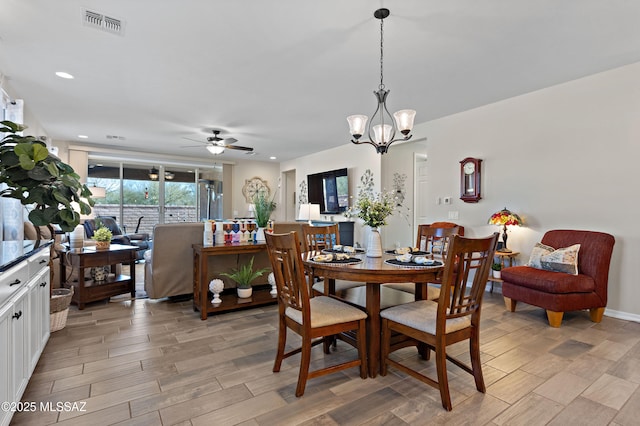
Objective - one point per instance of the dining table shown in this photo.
(372, 272)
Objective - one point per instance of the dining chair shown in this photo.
(318, 318)
(453, 318)
(319, 238)
(435, 239)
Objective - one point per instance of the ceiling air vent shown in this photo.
(103, 22)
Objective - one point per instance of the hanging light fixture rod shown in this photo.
(382, 129)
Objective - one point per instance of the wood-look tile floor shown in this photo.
(154, 362)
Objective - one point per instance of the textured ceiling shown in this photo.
(281, 76)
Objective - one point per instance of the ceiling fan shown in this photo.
(216, 145)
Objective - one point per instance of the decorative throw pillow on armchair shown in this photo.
(558, 260)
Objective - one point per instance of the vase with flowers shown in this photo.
(374, 209)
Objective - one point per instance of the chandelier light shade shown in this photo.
(153, 173)
(169, 175)
(503, 218)
(382, 129)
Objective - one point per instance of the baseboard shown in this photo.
(622, 315)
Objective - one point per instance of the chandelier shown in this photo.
(382, 129)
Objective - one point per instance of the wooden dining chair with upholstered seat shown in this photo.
(324, 237)
(316, 319)
(434, 239)
(454, 317)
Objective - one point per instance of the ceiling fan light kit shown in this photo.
(382, 129)
(217, 145)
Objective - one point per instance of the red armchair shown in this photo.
(559, 292)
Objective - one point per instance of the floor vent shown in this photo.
(103, 22)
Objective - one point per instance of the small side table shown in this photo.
(502, 257)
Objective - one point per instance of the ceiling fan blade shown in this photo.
(195, 140)
(229, 141)
(239, 148)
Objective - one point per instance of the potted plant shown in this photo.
(102, 236)
(244, 276)
(40, 179)
(263, 207)
(496, 267)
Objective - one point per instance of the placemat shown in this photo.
(340, 262)
(394, 262)
(357, 250)
(414, 253)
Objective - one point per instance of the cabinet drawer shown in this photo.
(12, 280)
(38, 262)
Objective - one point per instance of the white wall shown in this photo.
(244, 170)
(562, 157)
(356, 158)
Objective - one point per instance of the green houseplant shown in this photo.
(496, 267)
(40, 179)
(244, 276)
(263, 207)
(102, 236)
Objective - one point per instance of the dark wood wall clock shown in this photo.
(470, 173)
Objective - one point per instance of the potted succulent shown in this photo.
(40, 179)
(497, 268)
(263, 207)
(102, 236)
(244, 276)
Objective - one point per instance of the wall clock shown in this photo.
(470, 174)
(254, 186)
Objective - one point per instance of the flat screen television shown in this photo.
(330, 190)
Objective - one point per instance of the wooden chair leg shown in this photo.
(510, 304)
(476, 364)
(555, 318)
(362, 349)
(596, 314)
(282, 340)
(384, 346)
(443, 381)
(305, 360)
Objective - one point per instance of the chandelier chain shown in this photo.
(381, 86)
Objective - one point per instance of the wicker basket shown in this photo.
(103, 245)
(59, 307)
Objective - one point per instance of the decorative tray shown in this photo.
(412, 264)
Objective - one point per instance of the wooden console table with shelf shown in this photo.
(230, 301)
(89, 257)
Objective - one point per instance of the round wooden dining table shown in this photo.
(373, 272)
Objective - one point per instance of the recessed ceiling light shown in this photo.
(63, 74)
(83, 136)
(272, 158)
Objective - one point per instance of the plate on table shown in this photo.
(430, 263)
(414, 252)
(335, 258)
(344, 249)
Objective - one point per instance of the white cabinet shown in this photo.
(24, 325)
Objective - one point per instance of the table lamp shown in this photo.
(309, 212)
(503, 218)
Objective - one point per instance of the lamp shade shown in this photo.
(404, 120)
(98, 192)
(505, 217)
(309, 212)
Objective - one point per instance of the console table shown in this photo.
(89, 257)
(230, 301)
